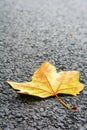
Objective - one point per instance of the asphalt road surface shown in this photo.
(31, 32)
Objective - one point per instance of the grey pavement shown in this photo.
(31, 32)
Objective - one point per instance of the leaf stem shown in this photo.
(65, 105)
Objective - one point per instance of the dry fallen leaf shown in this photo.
(47, 82)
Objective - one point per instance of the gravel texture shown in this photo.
(31, 32)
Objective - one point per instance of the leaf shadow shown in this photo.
(28, 98)
(24, 98)
(65, 95)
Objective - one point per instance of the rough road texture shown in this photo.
(31, 32)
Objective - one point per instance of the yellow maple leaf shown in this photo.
(47, 82)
